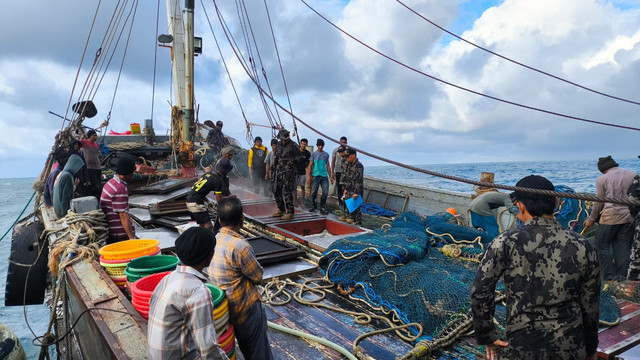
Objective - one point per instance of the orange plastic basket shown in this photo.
(129, 249)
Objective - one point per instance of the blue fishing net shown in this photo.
(394, 271)
(570, 213)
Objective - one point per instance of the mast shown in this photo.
(176, 30)
(188, 108)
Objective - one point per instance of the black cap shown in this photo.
(606, 163)
(125, 166)
(283, 134)
(194, 245)
(320, 142)
(218, 123)
(342, 148)
(532, 182)
(351, 151)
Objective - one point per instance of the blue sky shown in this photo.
(344, 89)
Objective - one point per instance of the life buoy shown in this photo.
(25, 247)
(10, 347)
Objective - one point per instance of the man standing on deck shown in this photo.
(615, 227)
(633, 193)
(287, 154)
(235, 270)
(215, 140)
(336, 168)
(319, 170)
(197, 197)
(271, 162)
(114, 201)
(353, 180)
(181, 323)
(552, 282)
(301, 167)
(257, 166)
(91, 152)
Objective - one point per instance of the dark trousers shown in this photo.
(94, 178)
(258, 181)
(339, 190)
(285, 186)
(619, 239)
(320, 182)
(252, 335)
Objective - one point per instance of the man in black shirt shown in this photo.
(301, 167)
(211, 181)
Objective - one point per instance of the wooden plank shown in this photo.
(104, 334)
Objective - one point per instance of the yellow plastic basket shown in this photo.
(129, 249)
(114, 269)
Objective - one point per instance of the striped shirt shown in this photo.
(114, 200)
(181, 324)
(235, 270)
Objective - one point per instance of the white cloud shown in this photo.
(342, 88)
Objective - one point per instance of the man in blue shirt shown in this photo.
(319, 169)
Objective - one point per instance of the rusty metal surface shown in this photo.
(164, 186)
(269, 251)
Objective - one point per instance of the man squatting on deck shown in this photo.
(114, 201)
(210, 181)
(235, 270)
(181, 323)
(552, 282)
(287, 156)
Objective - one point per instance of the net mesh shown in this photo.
(421, 270)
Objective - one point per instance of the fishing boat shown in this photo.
(92, 317)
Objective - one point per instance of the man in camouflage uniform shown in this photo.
(287, 155)
(634, 194)
(216, 140)
(552, 282)
(352, 179)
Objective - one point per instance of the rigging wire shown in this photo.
(215, 38)
(243, 18)
(429, 172)
(275, 45)
(514, 61)
(155, 60)
(264, 73)
(461, 87)
(75, 81)
(244, 63)
(124, 56)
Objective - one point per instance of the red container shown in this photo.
(143, 288)
(140, 304)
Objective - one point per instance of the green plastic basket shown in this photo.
(148, 265)
(216, 293)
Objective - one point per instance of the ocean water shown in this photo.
(14, 195)
(579, 175)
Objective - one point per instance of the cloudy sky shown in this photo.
(341, 87)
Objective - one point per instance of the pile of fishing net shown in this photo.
(393, 271)
(570, 213)
(420, 270)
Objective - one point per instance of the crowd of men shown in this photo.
(552, 276)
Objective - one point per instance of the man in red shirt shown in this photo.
(115, 202)
(91, 152)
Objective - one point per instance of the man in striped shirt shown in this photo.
(115, 202)
(235, 270)
(181, 323)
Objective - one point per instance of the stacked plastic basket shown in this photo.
(116, 257)
(224, 330)
(141, 291)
